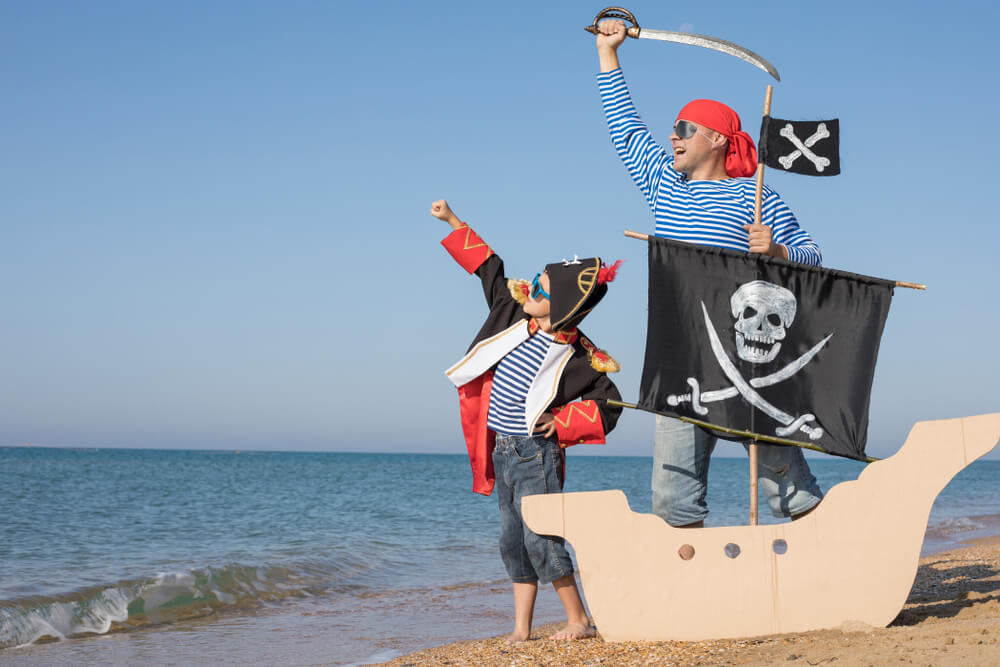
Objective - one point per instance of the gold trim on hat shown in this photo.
(588, 275)
(581, 278)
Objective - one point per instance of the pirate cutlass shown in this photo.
(704, 41)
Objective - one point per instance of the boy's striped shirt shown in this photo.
(511, 380)
(704, 212)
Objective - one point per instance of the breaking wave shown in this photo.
(954, 532)
(169, 597)
(955, 526)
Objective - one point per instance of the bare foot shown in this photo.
(575, 631)
(517, 637)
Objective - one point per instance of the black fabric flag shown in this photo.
(804, 147)
(760, 344)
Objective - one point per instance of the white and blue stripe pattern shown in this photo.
(511, 380)
(705, 212)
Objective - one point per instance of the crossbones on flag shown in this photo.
(761, 344)
(801, 146)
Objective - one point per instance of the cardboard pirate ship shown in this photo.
(853, 558)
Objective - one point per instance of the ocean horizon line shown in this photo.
(250, 450)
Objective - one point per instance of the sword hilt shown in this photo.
(694, 398)
(615, 13)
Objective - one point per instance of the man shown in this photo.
(700, 192)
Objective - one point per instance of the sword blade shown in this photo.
(713, 43)
(767, 380)
(792, 368)
(719, 395)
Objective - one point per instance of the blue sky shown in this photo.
(214, 227)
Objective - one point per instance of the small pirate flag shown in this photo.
(804, 147)
(762, 345)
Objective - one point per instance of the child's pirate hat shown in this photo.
(575, 288)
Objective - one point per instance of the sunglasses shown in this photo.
(536, 288)
(685, 129)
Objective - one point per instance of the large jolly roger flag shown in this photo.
(804, 147)
(764, 345)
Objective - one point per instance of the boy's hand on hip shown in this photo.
(546, 425)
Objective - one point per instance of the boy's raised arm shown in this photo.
(474, 255)
(464, 245)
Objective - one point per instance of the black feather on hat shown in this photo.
(575, 288)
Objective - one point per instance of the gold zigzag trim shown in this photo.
(468, 236)
(576, 407)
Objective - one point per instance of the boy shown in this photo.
(530, 385)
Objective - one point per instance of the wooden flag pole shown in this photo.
(758, 195)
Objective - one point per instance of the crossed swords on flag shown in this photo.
(789, 423)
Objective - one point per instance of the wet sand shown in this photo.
(951, 617)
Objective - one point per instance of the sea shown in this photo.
(142, 556)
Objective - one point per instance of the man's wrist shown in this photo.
(608, 59)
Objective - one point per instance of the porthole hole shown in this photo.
(732, 550)
(779, 546)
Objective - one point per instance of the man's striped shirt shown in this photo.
(511, 380)
(705, 212)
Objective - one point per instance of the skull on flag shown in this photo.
(763, 311)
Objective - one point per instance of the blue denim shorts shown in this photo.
(681, 453)
(524, 466)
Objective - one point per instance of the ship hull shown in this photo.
(852, 559)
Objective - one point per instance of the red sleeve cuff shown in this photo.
(467, 248)
(579, 424)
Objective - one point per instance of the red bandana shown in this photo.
(741, 158)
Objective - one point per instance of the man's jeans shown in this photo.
(680, 474)
(526, 465)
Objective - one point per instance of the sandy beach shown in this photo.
(952, 617)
